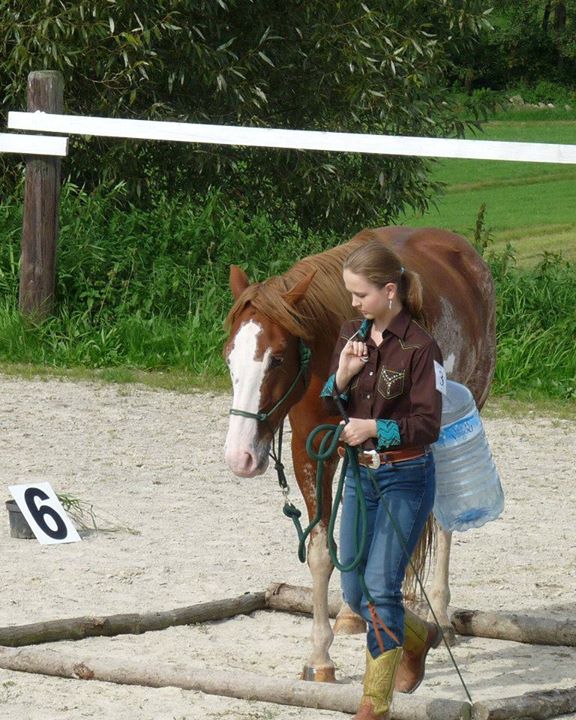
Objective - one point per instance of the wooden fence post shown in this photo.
(41, 206)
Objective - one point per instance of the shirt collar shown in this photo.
(399, 324)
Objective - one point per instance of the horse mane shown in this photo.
(324, 307)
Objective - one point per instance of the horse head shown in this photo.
(268, 369)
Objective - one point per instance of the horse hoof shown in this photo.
(449, 634)
(323, 673)
(349, 625)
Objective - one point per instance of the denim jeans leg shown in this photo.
(407, 490)
(350, 532)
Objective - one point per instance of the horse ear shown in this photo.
(238, 281)
(295, 294)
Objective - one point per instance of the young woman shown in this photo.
(386, 371)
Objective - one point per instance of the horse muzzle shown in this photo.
(247, 462)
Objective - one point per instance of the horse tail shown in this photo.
(420, 562)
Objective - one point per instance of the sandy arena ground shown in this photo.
(153, 460)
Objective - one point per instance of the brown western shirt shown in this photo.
(398, 383)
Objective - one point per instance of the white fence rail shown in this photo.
(294, 139)
(33, 144)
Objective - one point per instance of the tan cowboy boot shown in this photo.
(419, 637)
(378, 685)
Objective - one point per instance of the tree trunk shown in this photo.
(546, 16)
(560, 16)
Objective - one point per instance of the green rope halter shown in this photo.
(290, 510)
(305, 355)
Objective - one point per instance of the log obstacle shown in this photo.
(530, 706)
(245, 686)
(286, 598)
(279, 596)
(296, 599)
(510, 626)
(129, 623)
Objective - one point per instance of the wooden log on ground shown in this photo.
(533, 705)
(245, 686)
(529, 629)
(511, 626)
(296, 599)
(285, 598)
(132, 623)
(279, 596)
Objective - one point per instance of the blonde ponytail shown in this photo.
(410, 292)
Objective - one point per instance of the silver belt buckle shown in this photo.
(375, 458)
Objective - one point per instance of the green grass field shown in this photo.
(530, 205)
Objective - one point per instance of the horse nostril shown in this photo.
(242, 462)
(249, 461)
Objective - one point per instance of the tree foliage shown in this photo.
(338, 65)
(534, 40)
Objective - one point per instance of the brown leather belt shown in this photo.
(373, 459)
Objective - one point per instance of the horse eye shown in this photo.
(276, 360)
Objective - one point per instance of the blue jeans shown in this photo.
(407, 489)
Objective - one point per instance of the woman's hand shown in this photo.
(352, 359)
(358, 430)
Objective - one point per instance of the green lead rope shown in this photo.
(326, 450)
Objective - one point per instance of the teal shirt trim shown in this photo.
(365, 329)
(388, 434)
(328, 389)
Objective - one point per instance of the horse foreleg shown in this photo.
(440, 589)
(320, 667)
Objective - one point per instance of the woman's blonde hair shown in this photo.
(380, 266)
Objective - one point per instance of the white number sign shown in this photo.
(440, 377)
(44, 513)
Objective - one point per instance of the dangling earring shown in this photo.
(390, 304)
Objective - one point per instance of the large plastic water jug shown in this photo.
(468, 489)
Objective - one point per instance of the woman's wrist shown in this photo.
(373, 428)
(342, 380)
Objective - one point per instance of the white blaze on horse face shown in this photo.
(245, 455)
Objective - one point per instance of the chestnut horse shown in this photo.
(270, 322)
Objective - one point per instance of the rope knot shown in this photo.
(279, 467)
(291, 511)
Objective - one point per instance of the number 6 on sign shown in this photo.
(44, 513)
